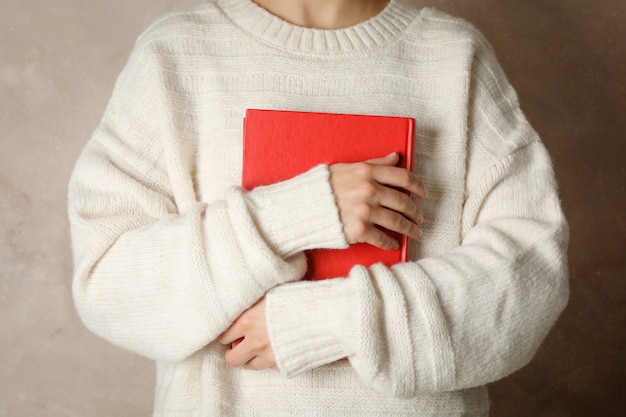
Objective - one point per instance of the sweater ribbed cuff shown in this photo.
(298, 214)
(304, 328)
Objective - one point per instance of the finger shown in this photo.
(380, 239)
(239, 355)
(260, 362)
(231, 334)
(400, 202)
(399, 178)
(396, 222)
(392, 159)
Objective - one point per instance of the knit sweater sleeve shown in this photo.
(157, 271)
(470, 315)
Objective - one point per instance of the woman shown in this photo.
(175, 261)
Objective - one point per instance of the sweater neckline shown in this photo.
(269, 28)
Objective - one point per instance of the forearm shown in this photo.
(469, 316)
(164, 283)
(434, 325)
(167, 289)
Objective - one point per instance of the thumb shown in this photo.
(392, 159)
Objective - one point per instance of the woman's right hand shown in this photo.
(374, 193)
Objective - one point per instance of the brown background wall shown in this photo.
(58, 62)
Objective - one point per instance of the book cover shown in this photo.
(279, 145)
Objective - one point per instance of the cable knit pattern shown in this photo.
(169, 250)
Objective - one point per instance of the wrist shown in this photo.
(298, 214)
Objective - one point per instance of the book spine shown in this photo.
(410, 131)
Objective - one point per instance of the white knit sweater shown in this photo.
(169, 251)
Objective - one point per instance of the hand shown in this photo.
(254, 351)
(369, 194)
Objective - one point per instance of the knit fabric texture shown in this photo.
(169, 250)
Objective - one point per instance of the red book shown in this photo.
(279, 145)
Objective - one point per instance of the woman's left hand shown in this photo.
(252, 349)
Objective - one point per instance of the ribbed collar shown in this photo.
(372, 33)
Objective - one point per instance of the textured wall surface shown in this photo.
(58, 63)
